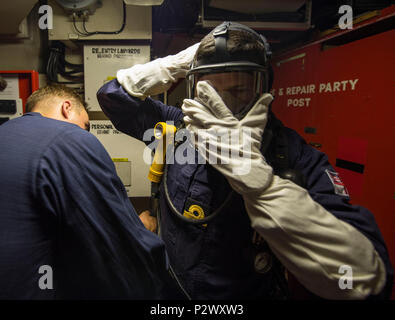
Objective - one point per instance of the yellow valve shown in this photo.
(195, 212)
(165, 134)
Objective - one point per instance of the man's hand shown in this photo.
(157, 76)
(149, 222)
(230, 145)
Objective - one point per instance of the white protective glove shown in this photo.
(309, 241)
(157, 76)
(246, 173)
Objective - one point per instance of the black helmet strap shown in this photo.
(221, 36)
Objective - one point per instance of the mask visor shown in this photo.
(239, 90)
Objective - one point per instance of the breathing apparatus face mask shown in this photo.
(238, 82)
(239, 90)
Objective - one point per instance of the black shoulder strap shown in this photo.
(279, 156)
(275, 144)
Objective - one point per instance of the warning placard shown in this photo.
(101, 64)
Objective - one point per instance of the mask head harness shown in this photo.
(224, 60)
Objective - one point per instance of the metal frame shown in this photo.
(295, 26)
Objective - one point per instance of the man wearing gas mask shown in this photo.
(254, 230)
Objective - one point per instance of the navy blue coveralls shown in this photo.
(62, 205)
(216, 262)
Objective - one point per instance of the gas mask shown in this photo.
(237, 80)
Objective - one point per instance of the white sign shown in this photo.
(101, 64)
(127, 154)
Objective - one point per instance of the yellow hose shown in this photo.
(165, 134)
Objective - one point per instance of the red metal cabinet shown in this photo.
(341, 100)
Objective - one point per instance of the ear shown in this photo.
(66, 109)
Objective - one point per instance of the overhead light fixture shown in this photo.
(78, 6)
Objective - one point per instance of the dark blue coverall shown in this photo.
(62, 205)
(216, 261)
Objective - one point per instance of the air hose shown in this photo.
(165, 134)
